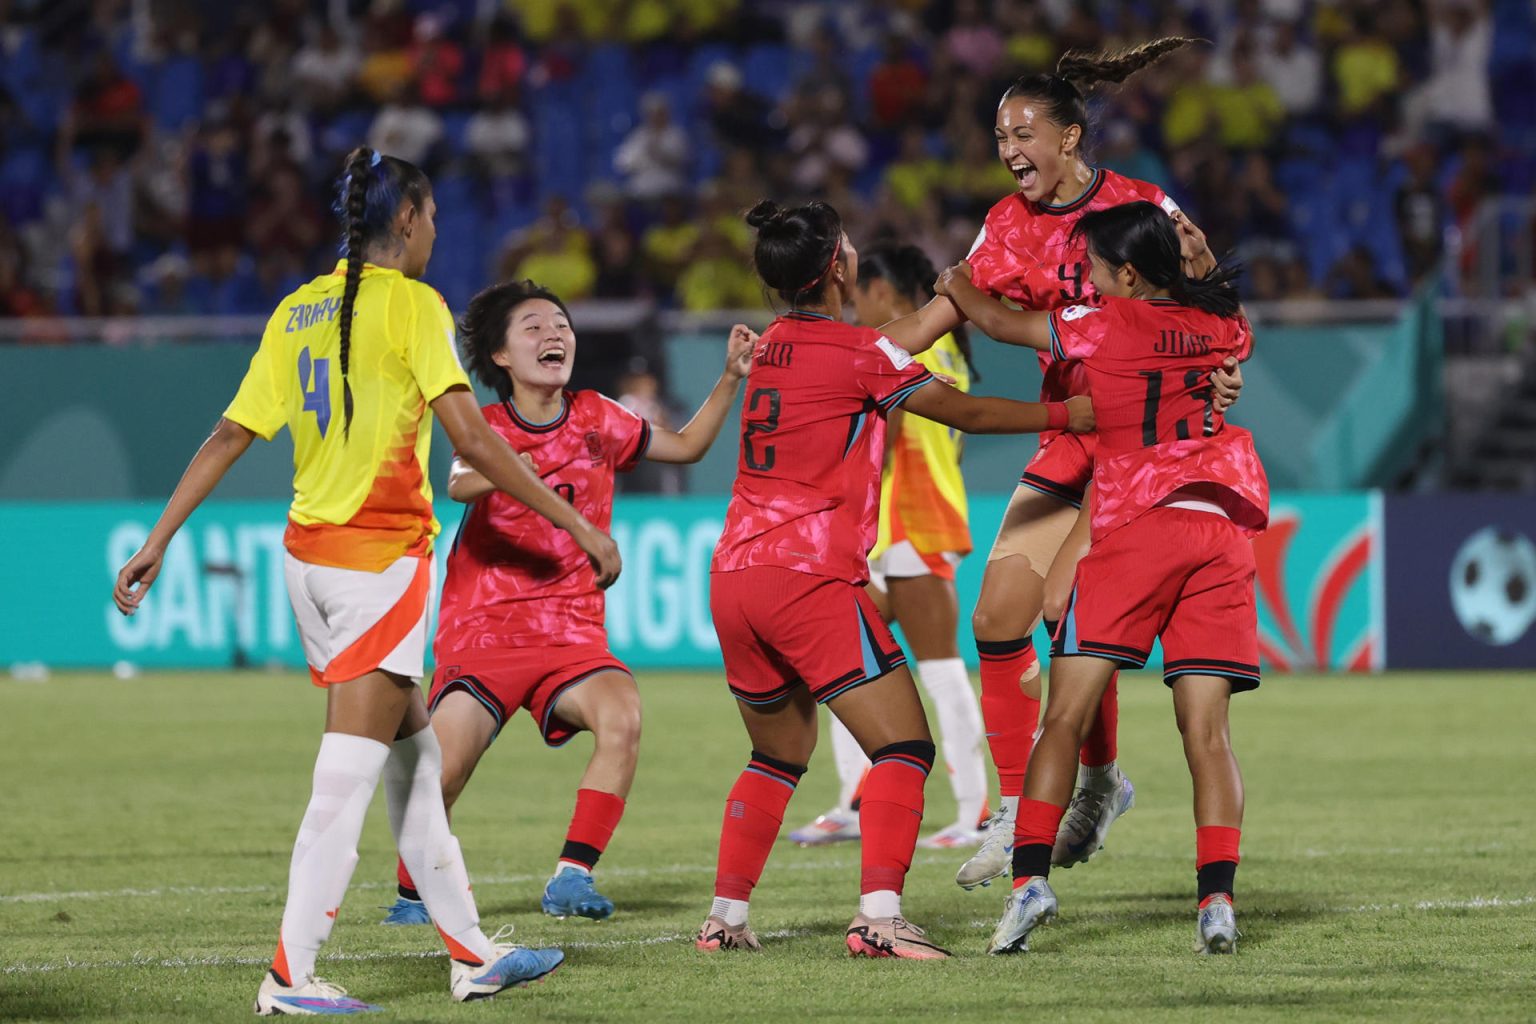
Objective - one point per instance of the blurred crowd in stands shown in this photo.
(177, 156)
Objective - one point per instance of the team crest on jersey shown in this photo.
(594, 446)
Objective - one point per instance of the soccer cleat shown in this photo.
(514, 966)
(1216, 930)
(953, 837)
(311, 999)
(1029, 906)
(571, 894)
(407, 912)
(1087, 820)
(891, 937)
(995, 856)
(716, 935)
(836, 826)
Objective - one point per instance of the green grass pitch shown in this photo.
(145, 829)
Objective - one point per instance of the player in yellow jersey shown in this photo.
(924, 532)
(355, 364)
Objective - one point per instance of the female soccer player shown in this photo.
(521, 624)
(355, 363)
(787, 592)
(923, 534)
(1026, 252)
(1177, 495)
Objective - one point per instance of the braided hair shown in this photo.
(1077, 72)
(911, 273)
(368, 197)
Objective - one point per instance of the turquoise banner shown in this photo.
(220, 600)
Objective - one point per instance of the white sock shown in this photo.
(851, 762)
(732, 912)
(948, 686)
(413, 782)
(880, 903)
(1099, 777)
(570, 865)
(325, 852)
(1009, 806)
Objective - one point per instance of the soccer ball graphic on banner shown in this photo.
(1493, 585)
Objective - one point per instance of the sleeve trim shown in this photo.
(904, 392)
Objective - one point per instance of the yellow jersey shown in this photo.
(922, 494)
(363, 501)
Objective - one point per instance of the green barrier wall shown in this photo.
(221, 600)
(1331, 407)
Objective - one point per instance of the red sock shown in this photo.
(1010, 716)
(1216, 857)
(407, 887)
(1102, 744)
(597, 814)
(892, 813)
(754, 810)
(1034, 834)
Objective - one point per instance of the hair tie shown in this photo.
(377, 156)
(837, 251)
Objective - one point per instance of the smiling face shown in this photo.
(540, 347)
(1116, 282)
(1036, 151)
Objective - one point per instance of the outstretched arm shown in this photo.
(978, 415)
(690, 443)
(223, 448)
(917, 331)
(1015, 327)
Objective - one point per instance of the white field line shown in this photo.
(183, 963)
(477, 880)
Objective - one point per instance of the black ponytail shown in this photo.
(796, 248)
(1142, 235)
(369, 195)
(911, 273)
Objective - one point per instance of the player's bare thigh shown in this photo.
(376, 705)
(1013, 585)
(464, 730)
(929, 612)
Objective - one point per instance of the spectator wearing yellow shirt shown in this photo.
(1365, 69)
(717, 277)
(1248, 111)
(915, 171)
(1191, 110)
(667, 244)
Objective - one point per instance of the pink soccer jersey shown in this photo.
(513, 578)
(807, 490)
(1025, 253)
(1149, 365)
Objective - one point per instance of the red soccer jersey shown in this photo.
(1149, 365)
(807, 491)
(512, 577)
(1025, 253)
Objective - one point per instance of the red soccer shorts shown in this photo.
(780, 629)
(505, 679)
(1062, 468)
(1179, 574)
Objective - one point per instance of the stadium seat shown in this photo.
(766, 69)
(175, 92)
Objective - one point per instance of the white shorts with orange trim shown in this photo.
(902, 561)
(352, 622)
